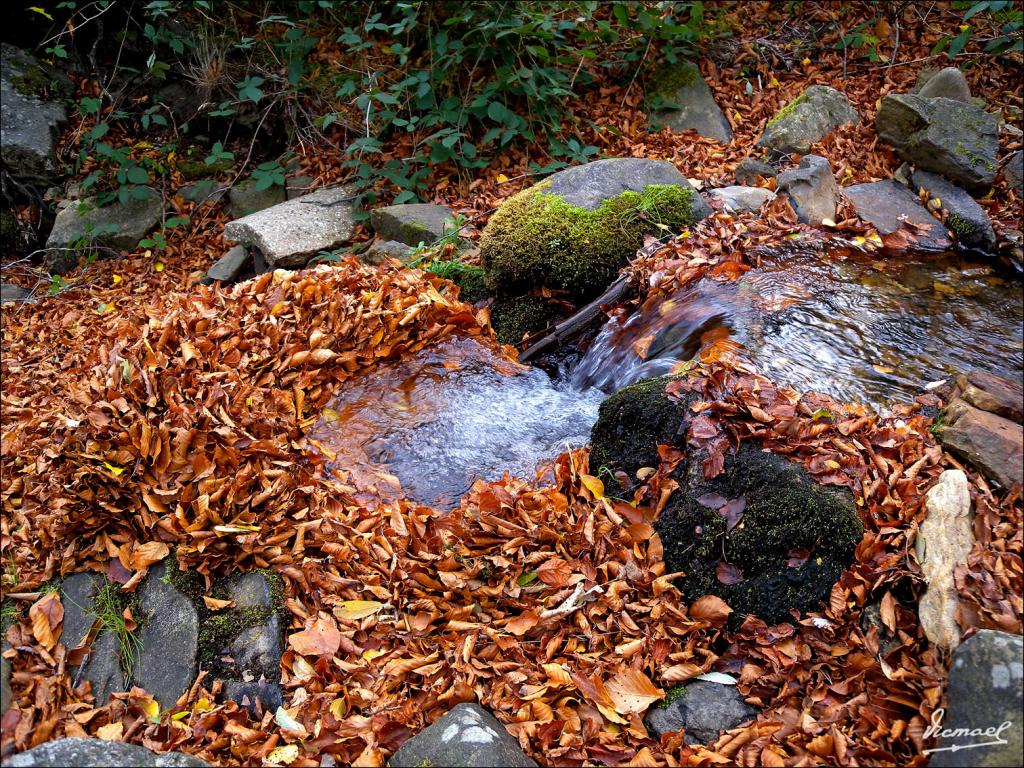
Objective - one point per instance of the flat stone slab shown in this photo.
(689, 103)
(741, 199)
(992, 393)
(97, 753)
(465, 737)
(290, 234)
(991, 443)
(103, 667)
(986, 682)
(808, 119)
(170, 637)
(119, 226)
(411, 224)
(77, 593)
(882, 203)
(967, 219)
(703, 710)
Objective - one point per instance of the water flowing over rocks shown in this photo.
(703, 709)
(290, 234)
(808, 119)
(687, 103)
(467, 736)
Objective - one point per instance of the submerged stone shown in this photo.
(467, 736)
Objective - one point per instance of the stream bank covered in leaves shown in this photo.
(295, 501)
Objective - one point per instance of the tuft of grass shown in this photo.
(108, 609)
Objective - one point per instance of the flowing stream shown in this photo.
(856, 329)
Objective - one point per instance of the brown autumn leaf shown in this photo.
(797, 557)
(732, 511)
(554, 572)
(727, 573)
(712, 501)
(319, 638)
(215, 604)
(632, 691)
(523, 623)
(47, 615)
(137, 558)
(711, 609)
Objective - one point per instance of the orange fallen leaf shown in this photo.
(320, 638)
(47, 615)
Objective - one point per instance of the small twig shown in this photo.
(635, 73)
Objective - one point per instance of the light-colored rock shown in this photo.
(31, 115)
(884, 203)
(811, 188)
(465, 737)
(290, 234)
(11, 292)
(957, 140)
(229, 266)
(687, 102)
(741, 199)
(245, 198)
(703, 710)
(166, 666)
(81, 225)
(967, 219)
(412, 223)
(986, 681)
(943, 542)
(97, 753)
(808, 119)
(948, 83)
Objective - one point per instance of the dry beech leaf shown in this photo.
(554, 572)
(320, 638)
(215, 604)
(47, 614)
(632, 691)
(353, 610)
(711, 609)
(523, 623)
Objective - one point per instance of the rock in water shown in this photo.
(31, 115)
(808, 119)
(97, 753)
(948, 83)
(687, 102)
(465, 737)
(290, 234)
(169, 638)
(966, 218)
(411, 224)
(956, 140)
(944, 541)
(886, 204)
(811, 188)
(577, 228)
(985, 685)
(703, 709)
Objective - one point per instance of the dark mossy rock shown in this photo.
(514, 319)
(630, 426)
(793, 541)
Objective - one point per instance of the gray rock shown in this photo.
(465, 737)
(411, 224)
(750, 168)
(166, 666)
(948, 83)
(31, 115)
(985, 685)
(956, 140)
(290, 234)
(229, 266)
(742, 198)
(77, 593)
(386, 249)
(119, 226)
(251, 590)
(247, 694)
(703, 709)
(882, 203)
(102, 668)
(97, 753)
(587, 186)
(245, 198)
(967, 219)
(811, 188)
(1013, 170)
(297, 186)
(257, 650)
(11, 292)
(203, 191)
(808, 119)
(688, 102)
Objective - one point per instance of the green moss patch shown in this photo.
(668, 81)
(469, 277)
(537, 238)
(787, 110)
(514, 319)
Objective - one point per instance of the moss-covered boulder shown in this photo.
(513, 319)
(576, 229)
(763, 535)
(630, 426)
(682, 101)
(808, 119)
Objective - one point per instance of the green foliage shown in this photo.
(108, 609)
(1005, 13)
(469, 278)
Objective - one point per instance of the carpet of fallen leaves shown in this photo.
(143, 414)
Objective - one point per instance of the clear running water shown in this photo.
(859, 330)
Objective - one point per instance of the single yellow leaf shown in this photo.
(330, 414)
(285, 755)
(152, 710)
(111, 732)
(353, 610)
(117, 279)
(338, 709)
(501, 178)
(158, 267)
(594, 485)
(236, 528)
(203, 705)
(117, 471)
(372, 653)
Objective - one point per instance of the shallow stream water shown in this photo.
(857, 329)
